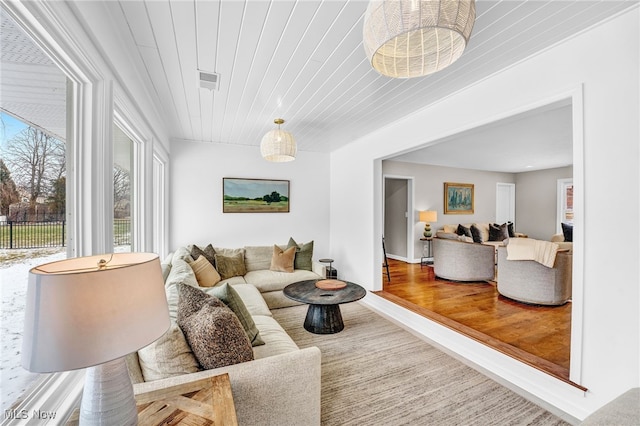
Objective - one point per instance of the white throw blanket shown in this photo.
(543, 252)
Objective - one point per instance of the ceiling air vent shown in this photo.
(209, 80)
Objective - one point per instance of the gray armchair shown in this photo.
(461, 261)
(531, 282)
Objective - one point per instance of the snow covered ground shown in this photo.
(14, 275)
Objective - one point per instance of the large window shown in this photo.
(34, 226)
(122, 193)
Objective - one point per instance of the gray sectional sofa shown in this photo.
(281, 386)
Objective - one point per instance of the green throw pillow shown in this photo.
(232, 299)
(304, 253)
(230, 266)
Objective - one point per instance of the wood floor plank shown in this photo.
(539, 336)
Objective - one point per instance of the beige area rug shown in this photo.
(376, 373)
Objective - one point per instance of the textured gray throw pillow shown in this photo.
(213, 331)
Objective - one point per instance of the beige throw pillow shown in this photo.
(282, 260)
(206, 274)
(168, 356)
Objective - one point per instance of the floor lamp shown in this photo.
(92, 312)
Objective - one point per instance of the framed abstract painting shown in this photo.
(458, 198)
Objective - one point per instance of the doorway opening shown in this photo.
(398, 217)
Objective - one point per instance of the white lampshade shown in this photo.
(428, 216)
(79, 315)
(92, 312)
(278, 145)
(414, 38)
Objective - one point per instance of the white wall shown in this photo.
(536, 201)
(603, 64)
(196, 198)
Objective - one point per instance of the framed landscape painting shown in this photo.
(255, 196)
(458, 198)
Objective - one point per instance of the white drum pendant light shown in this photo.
(278, 145)
(414, 38)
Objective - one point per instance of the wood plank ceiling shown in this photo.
(304, 61)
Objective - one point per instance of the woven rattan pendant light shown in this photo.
(278, 145)
(414, 38)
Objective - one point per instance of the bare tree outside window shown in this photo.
(8, 190)
(121, 192)
(36, 160)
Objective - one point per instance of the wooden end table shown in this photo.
(323, 314)
(202, 402)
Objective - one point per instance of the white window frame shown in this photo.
(563, 184)
(160, 202)
(138, 192)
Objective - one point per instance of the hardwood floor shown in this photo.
(539, 336)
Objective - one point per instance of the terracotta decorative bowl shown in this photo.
(330, 284)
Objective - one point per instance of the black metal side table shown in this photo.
(331, 272)
(428, 259)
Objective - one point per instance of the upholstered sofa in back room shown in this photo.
(281, 384)
(531, 282)
(463, 261)
(467, 252)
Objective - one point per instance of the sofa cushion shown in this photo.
(498, 232)
(213, 331)
(447, 235)
(450, 229)
(484, 230)
(567, 231)
(274, 280)
(258, 257)
(168, 356)
(476, 234)
(230, 266)
(233, 281)
(205, 273)
(232, 299)
(463, 230)
(208, 252)
(181, 272)
(282, 260)
(229, 252)
(276, 339)
(252, 299)
(182, 253)
(304, 254)
(166, 268)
